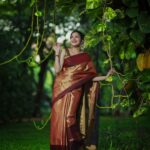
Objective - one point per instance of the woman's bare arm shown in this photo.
(59, 60)
(62, 56)
(100, 78)
(57, 63)
(57, 49)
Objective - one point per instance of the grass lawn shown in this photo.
(116, 133)
(124, 133)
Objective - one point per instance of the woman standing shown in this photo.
(74, 97)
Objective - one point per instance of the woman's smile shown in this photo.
(75, 39)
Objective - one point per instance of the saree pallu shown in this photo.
(73, 103)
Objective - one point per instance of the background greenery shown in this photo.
(116, 133)
(117, 35)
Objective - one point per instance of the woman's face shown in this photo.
(75, 39)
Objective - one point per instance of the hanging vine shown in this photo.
(43, 124)
(27, 43)
(37, 13)
(108, 14)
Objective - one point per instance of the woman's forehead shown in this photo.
(75, 33)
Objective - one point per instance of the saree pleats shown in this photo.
(65, 129)
(73, 104)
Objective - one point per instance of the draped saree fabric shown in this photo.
(73, 103)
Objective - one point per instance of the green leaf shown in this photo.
(108, 38)
(132, 12)
(123, 36)
(146, 95)
(91, 40)
(124, 103)
(144, 22)
(106, 61)
(130, 52)
(32, 3)
(109, 14)
(38, 13)
(137, 36)
(139, 112)
(117, 82)
(122, 54)
(109, 79)
(105, 47)
(133, 23)
(92, 4)
(120, 13)
(130, 3)
(101, 27)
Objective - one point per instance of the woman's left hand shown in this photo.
(111, 71)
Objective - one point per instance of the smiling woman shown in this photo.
(75, 92)
(76, 38)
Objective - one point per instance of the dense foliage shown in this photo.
(117, 35)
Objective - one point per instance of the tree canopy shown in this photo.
(117, 34)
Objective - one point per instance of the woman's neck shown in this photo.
(75, 50)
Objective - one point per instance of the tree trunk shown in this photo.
(40, 85)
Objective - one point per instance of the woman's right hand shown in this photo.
(57, 48)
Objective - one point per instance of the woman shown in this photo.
(74, 97)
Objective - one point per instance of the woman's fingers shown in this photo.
(111, 71)
(57, 47)
(58, 44)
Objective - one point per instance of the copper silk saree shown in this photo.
(73, 104)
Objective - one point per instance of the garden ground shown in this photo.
(116, 133)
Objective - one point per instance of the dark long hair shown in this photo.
(79, 32)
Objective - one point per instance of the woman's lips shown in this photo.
(74, 41)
